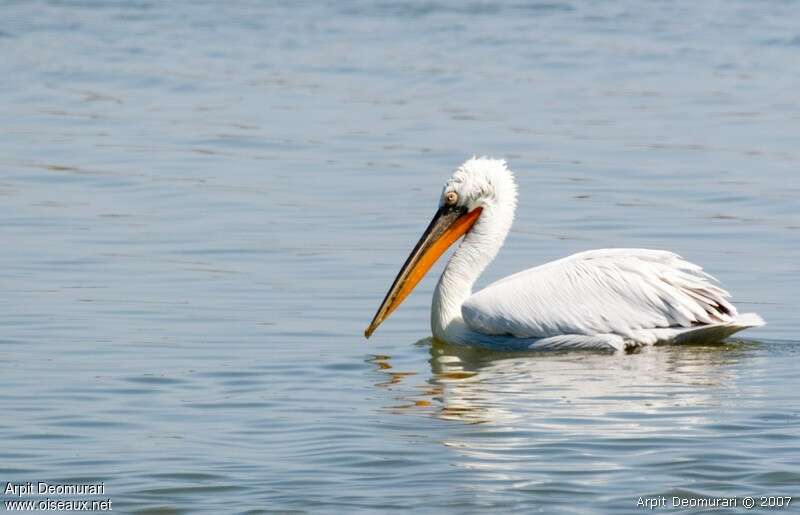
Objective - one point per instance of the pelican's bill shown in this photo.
(448, 225)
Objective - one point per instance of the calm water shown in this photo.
(202, 207)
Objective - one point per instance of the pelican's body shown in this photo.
(608, 298)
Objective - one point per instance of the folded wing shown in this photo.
(608, 291)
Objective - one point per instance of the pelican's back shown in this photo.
(643, 296)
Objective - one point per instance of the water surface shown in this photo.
(202, 206)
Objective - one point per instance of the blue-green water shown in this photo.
(202, 205)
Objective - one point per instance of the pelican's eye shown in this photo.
(450, 198)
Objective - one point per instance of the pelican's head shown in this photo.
(478, 184)
(481, 182)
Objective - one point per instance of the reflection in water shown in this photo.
(381, 362)
(535, 417)
(573, 389)
(583, 388)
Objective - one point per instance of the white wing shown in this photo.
(625, 292)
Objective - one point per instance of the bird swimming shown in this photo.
(599, 299)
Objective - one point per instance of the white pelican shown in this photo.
(602, 299)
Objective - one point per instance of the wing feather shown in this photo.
(608, 291)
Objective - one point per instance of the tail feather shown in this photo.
(746, 320)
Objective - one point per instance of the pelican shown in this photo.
(600, 299)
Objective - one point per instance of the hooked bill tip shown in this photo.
(371, 328)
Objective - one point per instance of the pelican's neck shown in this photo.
(478, 248)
